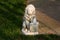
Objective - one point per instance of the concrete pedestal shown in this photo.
(25, 32)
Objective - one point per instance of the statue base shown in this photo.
(25, 32)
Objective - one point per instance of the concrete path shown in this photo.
(48, 15)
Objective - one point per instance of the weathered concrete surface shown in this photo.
(50, 23)
(50, 8)
(48, 14)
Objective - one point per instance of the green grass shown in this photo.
(11, 17)
(11, 14)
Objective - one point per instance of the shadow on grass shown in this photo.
(40, 37)
(31, 37)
